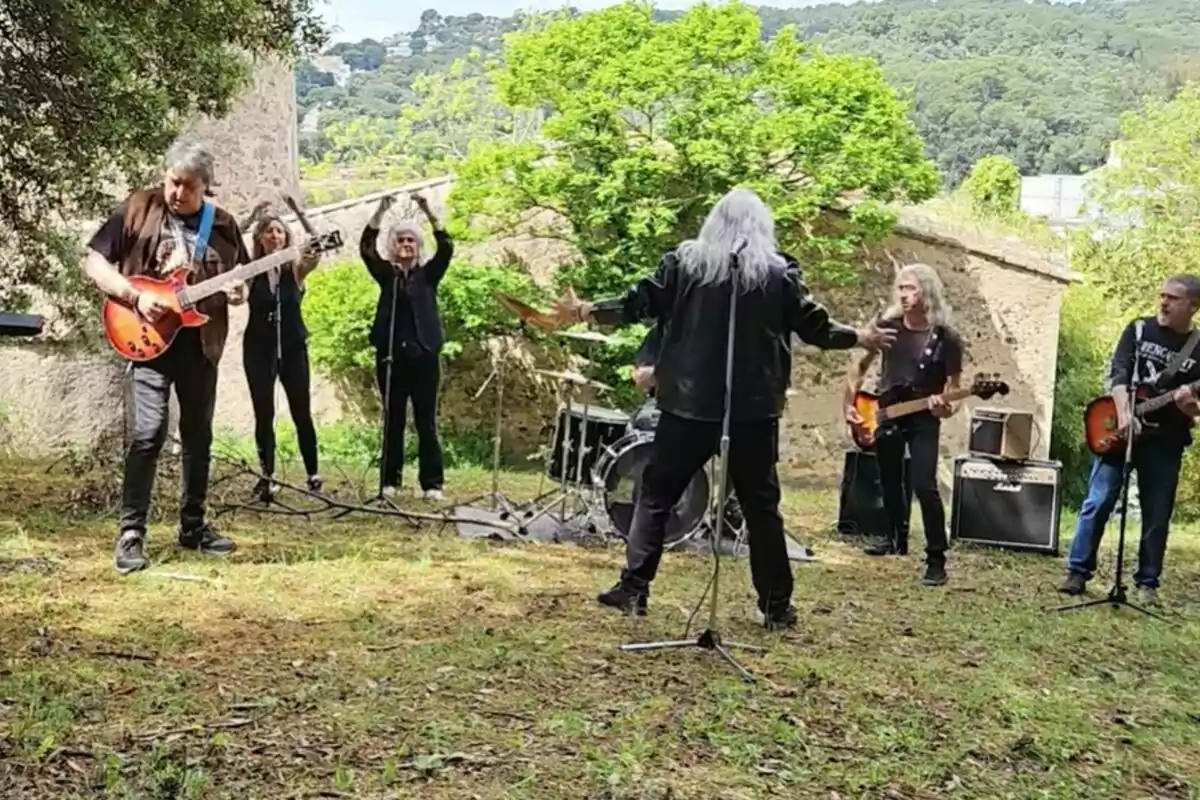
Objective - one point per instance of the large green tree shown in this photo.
(92, 91)
(647, 123)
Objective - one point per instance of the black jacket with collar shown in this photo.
(419, 286)
(694, 323)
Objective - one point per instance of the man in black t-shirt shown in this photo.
(924, 361)
(153, 232)
(1144, 355)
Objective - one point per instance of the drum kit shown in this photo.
(597, 454)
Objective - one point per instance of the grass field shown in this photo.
(361, 659)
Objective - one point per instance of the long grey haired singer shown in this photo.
(689, 299)
(417, 339)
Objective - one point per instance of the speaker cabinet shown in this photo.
(1001, 433)
(1008, 504)
(860, 506)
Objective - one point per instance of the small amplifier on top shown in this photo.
(1008, 504)
(1001, 433)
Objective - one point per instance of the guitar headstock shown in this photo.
(988, 386)
(325, 242)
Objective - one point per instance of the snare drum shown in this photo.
(618, 476)
(604, 427)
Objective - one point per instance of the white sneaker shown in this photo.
(433, 494)
(389, 492)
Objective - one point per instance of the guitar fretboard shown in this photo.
(913, 406)
(1152, 405)
(191, 295)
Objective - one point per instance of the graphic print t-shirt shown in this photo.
(108, 242)
(1156, 350)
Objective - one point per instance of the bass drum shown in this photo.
(618, 476)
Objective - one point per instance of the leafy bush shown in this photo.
(994, 186)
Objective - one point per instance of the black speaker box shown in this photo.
(860, 506)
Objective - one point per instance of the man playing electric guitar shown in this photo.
(1163, 348)
(153, 232)
(925, 361)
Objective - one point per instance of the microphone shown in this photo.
(740, 244)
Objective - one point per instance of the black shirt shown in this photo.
(1156, 347)
(919, 363)
(418, 327)
(261, 324)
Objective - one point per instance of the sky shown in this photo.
(375, 19)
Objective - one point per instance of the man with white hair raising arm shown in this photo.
(689, 299)
(408, 286)
(152, 233)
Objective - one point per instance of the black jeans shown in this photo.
(263, 363)
(681, 448)
(195, 381)
(920, 432)
(415, 377)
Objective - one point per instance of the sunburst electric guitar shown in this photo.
(138, 339)
(1100, 418)
(873, 414)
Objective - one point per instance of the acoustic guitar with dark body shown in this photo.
(1100, 419)
(138, 339)
(874, 414)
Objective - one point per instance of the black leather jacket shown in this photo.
(694, 322)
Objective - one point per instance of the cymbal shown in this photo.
(526, 312)
(588, 336)
(573, 377)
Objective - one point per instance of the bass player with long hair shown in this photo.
(924, 362)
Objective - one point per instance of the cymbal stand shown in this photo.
(566, 491)
(498, 500)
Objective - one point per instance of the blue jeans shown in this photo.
(1157, 465)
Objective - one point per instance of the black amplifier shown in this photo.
(1005, 503)
(860, 506)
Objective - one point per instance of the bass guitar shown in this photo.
(874, 414)
(138, 339)
(1100, 426)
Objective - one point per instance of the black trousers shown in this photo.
(264, 363)
(920, 432)
(415, 377)
(681, 448)
(195, 381)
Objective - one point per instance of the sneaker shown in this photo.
(780, 618)
(127, 555)
(263, 491)
(205, 540)
(1074, 583)
(1147, 596)
(432, 494)
(314, 483)
(389, 492)
(935, 575)
(622, 598)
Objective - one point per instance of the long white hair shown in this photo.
(933, 294)
(407, 226)
(739, 215)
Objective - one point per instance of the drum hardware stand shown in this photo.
(497, 498)
(1116, 595)
(575, 491)
(710, 638)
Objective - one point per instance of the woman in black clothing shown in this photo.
(275, 345)
(408, 286)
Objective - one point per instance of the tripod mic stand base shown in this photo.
(1116, 598)
(707, 640)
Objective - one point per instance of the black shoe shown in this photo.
(314, 483)
(205, 540)
(1074, 583)
(780, 618)
(935, 575)
(625, 599)
(127, 555)
(262, 492)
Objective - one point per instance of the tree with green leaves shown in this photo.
(93, 92)
(647, 123)
(994, 186)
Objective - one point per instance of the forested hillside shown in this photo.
(1043, 83)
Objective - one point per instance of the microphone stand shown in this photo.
(710, 639)
(386, 411)
(1116, 595)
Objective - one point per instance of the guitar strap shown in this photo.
(1183, 355)
(207, 212)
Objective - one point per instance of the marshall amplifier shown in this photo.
(860, 507)
(1011, 504)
